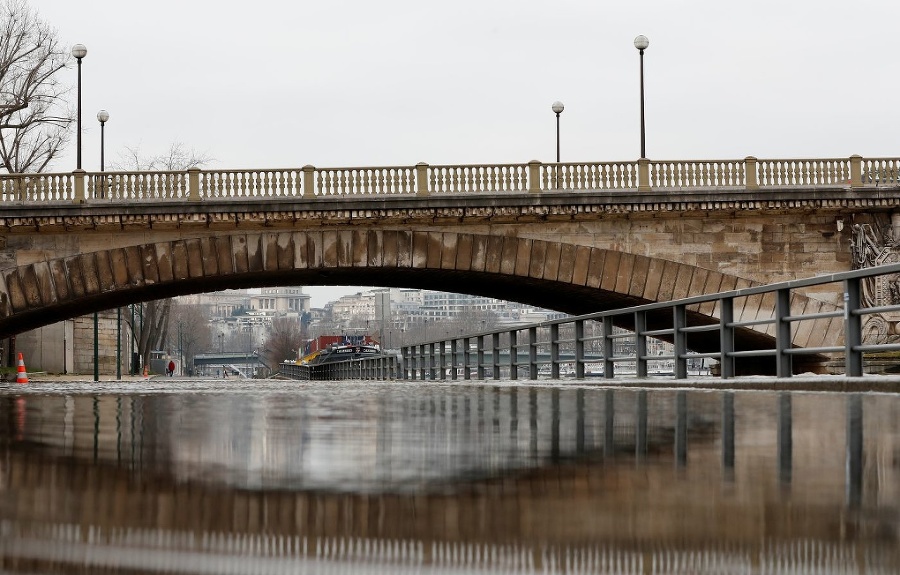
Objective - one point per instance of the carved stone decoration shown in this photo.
(874, 243)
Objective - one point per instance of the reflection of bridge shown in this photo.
(576, 237)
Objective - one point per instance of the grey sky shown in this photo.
(270, 84)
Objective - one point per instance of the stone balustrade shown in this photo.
(423, 179)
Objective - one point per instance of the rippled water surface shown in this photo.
(213, 476)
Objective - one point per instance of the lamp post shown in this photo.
(641, 43)
(102, 117)
(79, 51)
(557, 108)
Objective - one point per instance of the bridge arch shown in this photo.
(567, 277)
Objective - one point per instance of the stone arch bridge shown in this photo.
(573, 237)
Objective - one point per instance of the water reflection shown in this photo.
(273, 476)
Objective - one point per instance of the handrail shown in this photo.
(419, 359)
(423, 179)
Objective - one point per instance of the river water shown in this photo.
(213, 476)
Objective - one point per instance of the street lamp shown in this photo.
(557, 108)
(79, 51)
(641, 43)
(103, 116)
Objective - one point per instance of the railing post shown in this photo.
(432, 362)
(782, 333)
(422, 179)
(479, 356)
(532, 353)
(495, 354)
(644, 175)
(513, 355)
(467, 358)
(679, 339)
(853, 358)
(194, 184)
(640, 343)
(750, 177)
(534, 176)
(726, 337)
(554, 351)
(608, 351)
(309, 181)
(855, 170)
(79, 186)
(579, 349)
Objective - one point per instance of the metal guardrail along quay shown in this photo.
(479, 355)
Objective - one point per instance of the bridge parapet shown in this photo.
(423, 179)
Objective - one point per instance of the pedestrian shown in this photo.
(224, 372)
(171, 369)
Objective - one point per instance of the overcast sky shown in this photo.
(273, 84)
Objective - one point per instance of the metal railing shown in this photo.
(423, 179)
(589, 345)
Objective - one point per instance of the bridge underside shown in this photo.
(571, 278)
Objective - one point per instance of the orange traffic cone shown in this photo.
(146, 373)
(21, 375)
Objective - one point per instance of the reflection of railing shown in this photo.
(424, 179)
(533, 350)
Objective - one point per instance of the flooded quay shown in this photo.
(265, 476)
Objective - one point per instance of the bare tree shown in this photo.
(189, 332)
(149, 326)
(34, 118)
(173, 159)
(284, 338)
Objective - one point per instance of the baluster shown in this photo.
(286, 183)
(364, 181)
(393, 180)
(369, 182)
(353, 182)
(453, 179)
(785, 173)
(409, 181)
(436, 179)
(260, 183)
